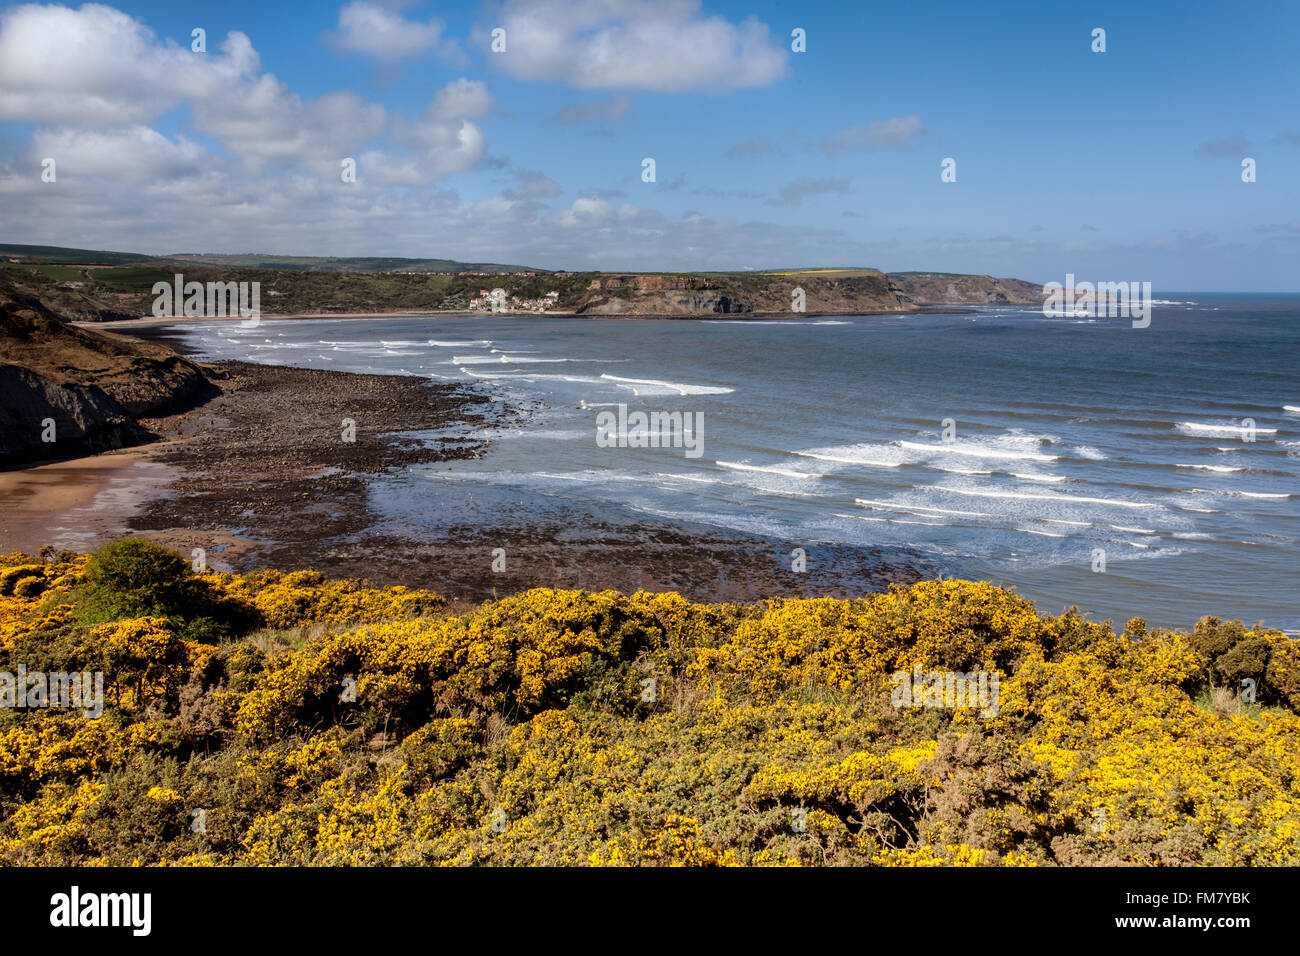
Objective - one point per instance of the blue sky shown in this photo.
(1122, 165)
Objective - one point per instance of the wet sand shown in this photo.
(76, 504)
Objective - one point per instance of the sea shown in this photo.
(1131, 472)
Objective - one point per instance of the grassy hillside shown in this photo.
(307, 721)
(91, 289)
(56, 254)
(38, 255)
(345, 264)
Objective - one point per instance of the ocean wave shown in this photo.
(976, 450)
(1090, 453)
(679, 388)
(700, 479)
(896, 506)
(1077, 499)
(1027, 477)
(925, 524)
(1240, 494)
(1202, 429)
(865, 453)
(1045, 534)
(767, 469)
(1222, 469)
(849, 460)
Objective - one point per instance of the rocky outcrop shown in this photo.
(846, 291)
(66, 392)
(40, 419)
(737, 294)
(942, 288)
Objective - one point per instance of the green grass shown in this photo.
(58, 273)
(62, 254)
(138, 279)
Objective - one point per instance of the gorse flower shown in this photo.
(327, 722)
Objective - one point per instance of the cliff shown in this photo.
(946, 288)
(94, 386)
(737, 293)
(824, 291)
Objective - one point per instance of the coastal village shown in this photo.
(497, 300)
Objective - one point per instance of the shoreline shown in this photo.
(144, 322)
(260, 477)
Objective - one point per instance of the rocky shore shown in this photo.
(265, 479)
(259, 466)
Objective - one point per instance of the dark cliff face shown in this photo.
(40, 419)
(85, 390)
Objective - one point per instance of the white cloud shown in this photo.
(269, 122)
(669, 46)
(460, 100)
(134, 154)
(96, 66)
(381, 31)
(588, 212)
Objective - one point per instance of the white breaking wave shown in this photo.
(763, 322)
(767, 469)
(1015, 474)
(702, 479)
(972, 450)
(1293, 409)
(1222, 469)
(927, 524)
(674, 386)
(847, 460)
(1218, 431)
(894, 506)
(1111, 502)
(1120, 527)
(458, 344)
(1092, 454)
(1240, 494)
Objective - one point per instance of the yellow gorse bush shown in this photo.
(360, 726)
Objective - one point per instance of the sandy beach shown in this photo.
(75, 504)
